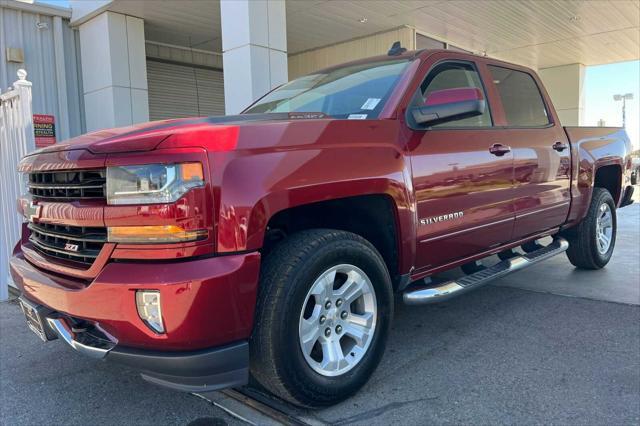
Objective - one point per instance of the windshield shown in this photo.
(354, 91)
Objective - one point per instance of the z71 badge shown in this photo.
(441, 218)
(71, 247)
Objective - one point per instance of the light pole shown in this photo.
(624, 98)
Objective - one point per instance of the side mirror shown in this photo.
(446, 105)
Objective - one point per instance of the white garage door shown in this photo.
(177, 90)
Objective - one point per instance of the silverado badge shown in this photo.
(441, 218)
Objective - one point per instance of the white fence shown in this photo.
(16, 140)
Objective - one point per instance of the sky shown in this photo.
(61, 3)
(604, 81)
(601, 83)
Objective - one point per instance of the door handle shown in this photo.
(559, 146)
(499, 149)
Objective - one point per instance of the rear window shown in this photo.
(521, 98)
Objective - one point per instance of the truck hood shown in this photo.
(147, 136)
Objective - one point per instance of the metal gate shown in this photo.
(183, 90)
(16, 140)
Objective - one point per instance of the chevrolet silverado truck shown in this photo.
(270, 244)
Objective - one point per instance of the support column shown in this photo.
(254, 50)
(114, 71)
(565, 85)
(63, 125)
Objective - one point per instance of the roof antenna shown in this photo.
(396, 49)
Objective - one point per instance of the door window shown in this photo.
(521, 98)
(453, 75)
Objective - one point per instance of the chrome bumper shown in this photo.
(82, 342)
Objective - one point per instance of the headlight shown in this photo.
(152, 183)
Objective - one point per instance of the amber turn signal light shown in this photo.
(191, 172)
(153, 234)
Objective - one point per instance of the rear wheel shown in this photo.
(591, 243)
(322, 319)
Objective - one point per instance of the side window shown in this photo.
(453, 75)
(521, 98)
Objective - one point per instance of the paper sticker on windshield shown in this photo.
(371, 103)
(357, 117)
(306, 115)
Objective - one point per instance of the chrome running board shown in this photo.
(424, 295)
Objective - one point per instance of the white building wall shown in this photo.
(363, 47)
(54, 76)
(114, 73)
(565, 85)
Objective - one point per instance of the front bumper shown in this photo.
(191, 371)
(207, 304)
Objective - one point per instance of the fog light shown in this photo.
(148, 304)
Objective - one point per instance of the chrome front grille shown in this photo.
(71, 243)
(68, 185)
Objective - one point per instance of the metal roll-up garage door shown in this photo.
(177, 90)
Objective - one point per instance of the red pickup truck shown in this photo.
(201, 250)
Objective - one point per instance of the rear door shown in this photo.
(541, 152)
(463, 191)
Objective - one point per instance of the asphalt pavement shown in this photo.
(549, 344)
(50, 384)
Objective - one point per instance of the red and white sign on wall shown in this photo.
(44, 127)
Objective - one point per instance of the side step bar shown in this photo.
(447, 290)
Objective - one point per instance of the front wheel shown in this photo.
(322, 319)
(591, 243)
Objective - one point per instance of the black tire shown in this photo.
(287, 274)
(583, 250)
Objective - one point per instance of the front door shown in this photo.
(462, 176)
(541, 153)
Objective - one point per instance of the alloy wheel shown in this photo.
(338, 320)
(604, 228)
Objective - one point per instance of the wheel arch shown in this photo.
(374, 217)
(609, 177)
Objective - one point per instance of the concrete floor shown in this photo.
(618, 282)
(50, 384)
(545, 345)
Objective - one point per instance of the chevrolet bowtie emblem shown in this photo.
(32, 211)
